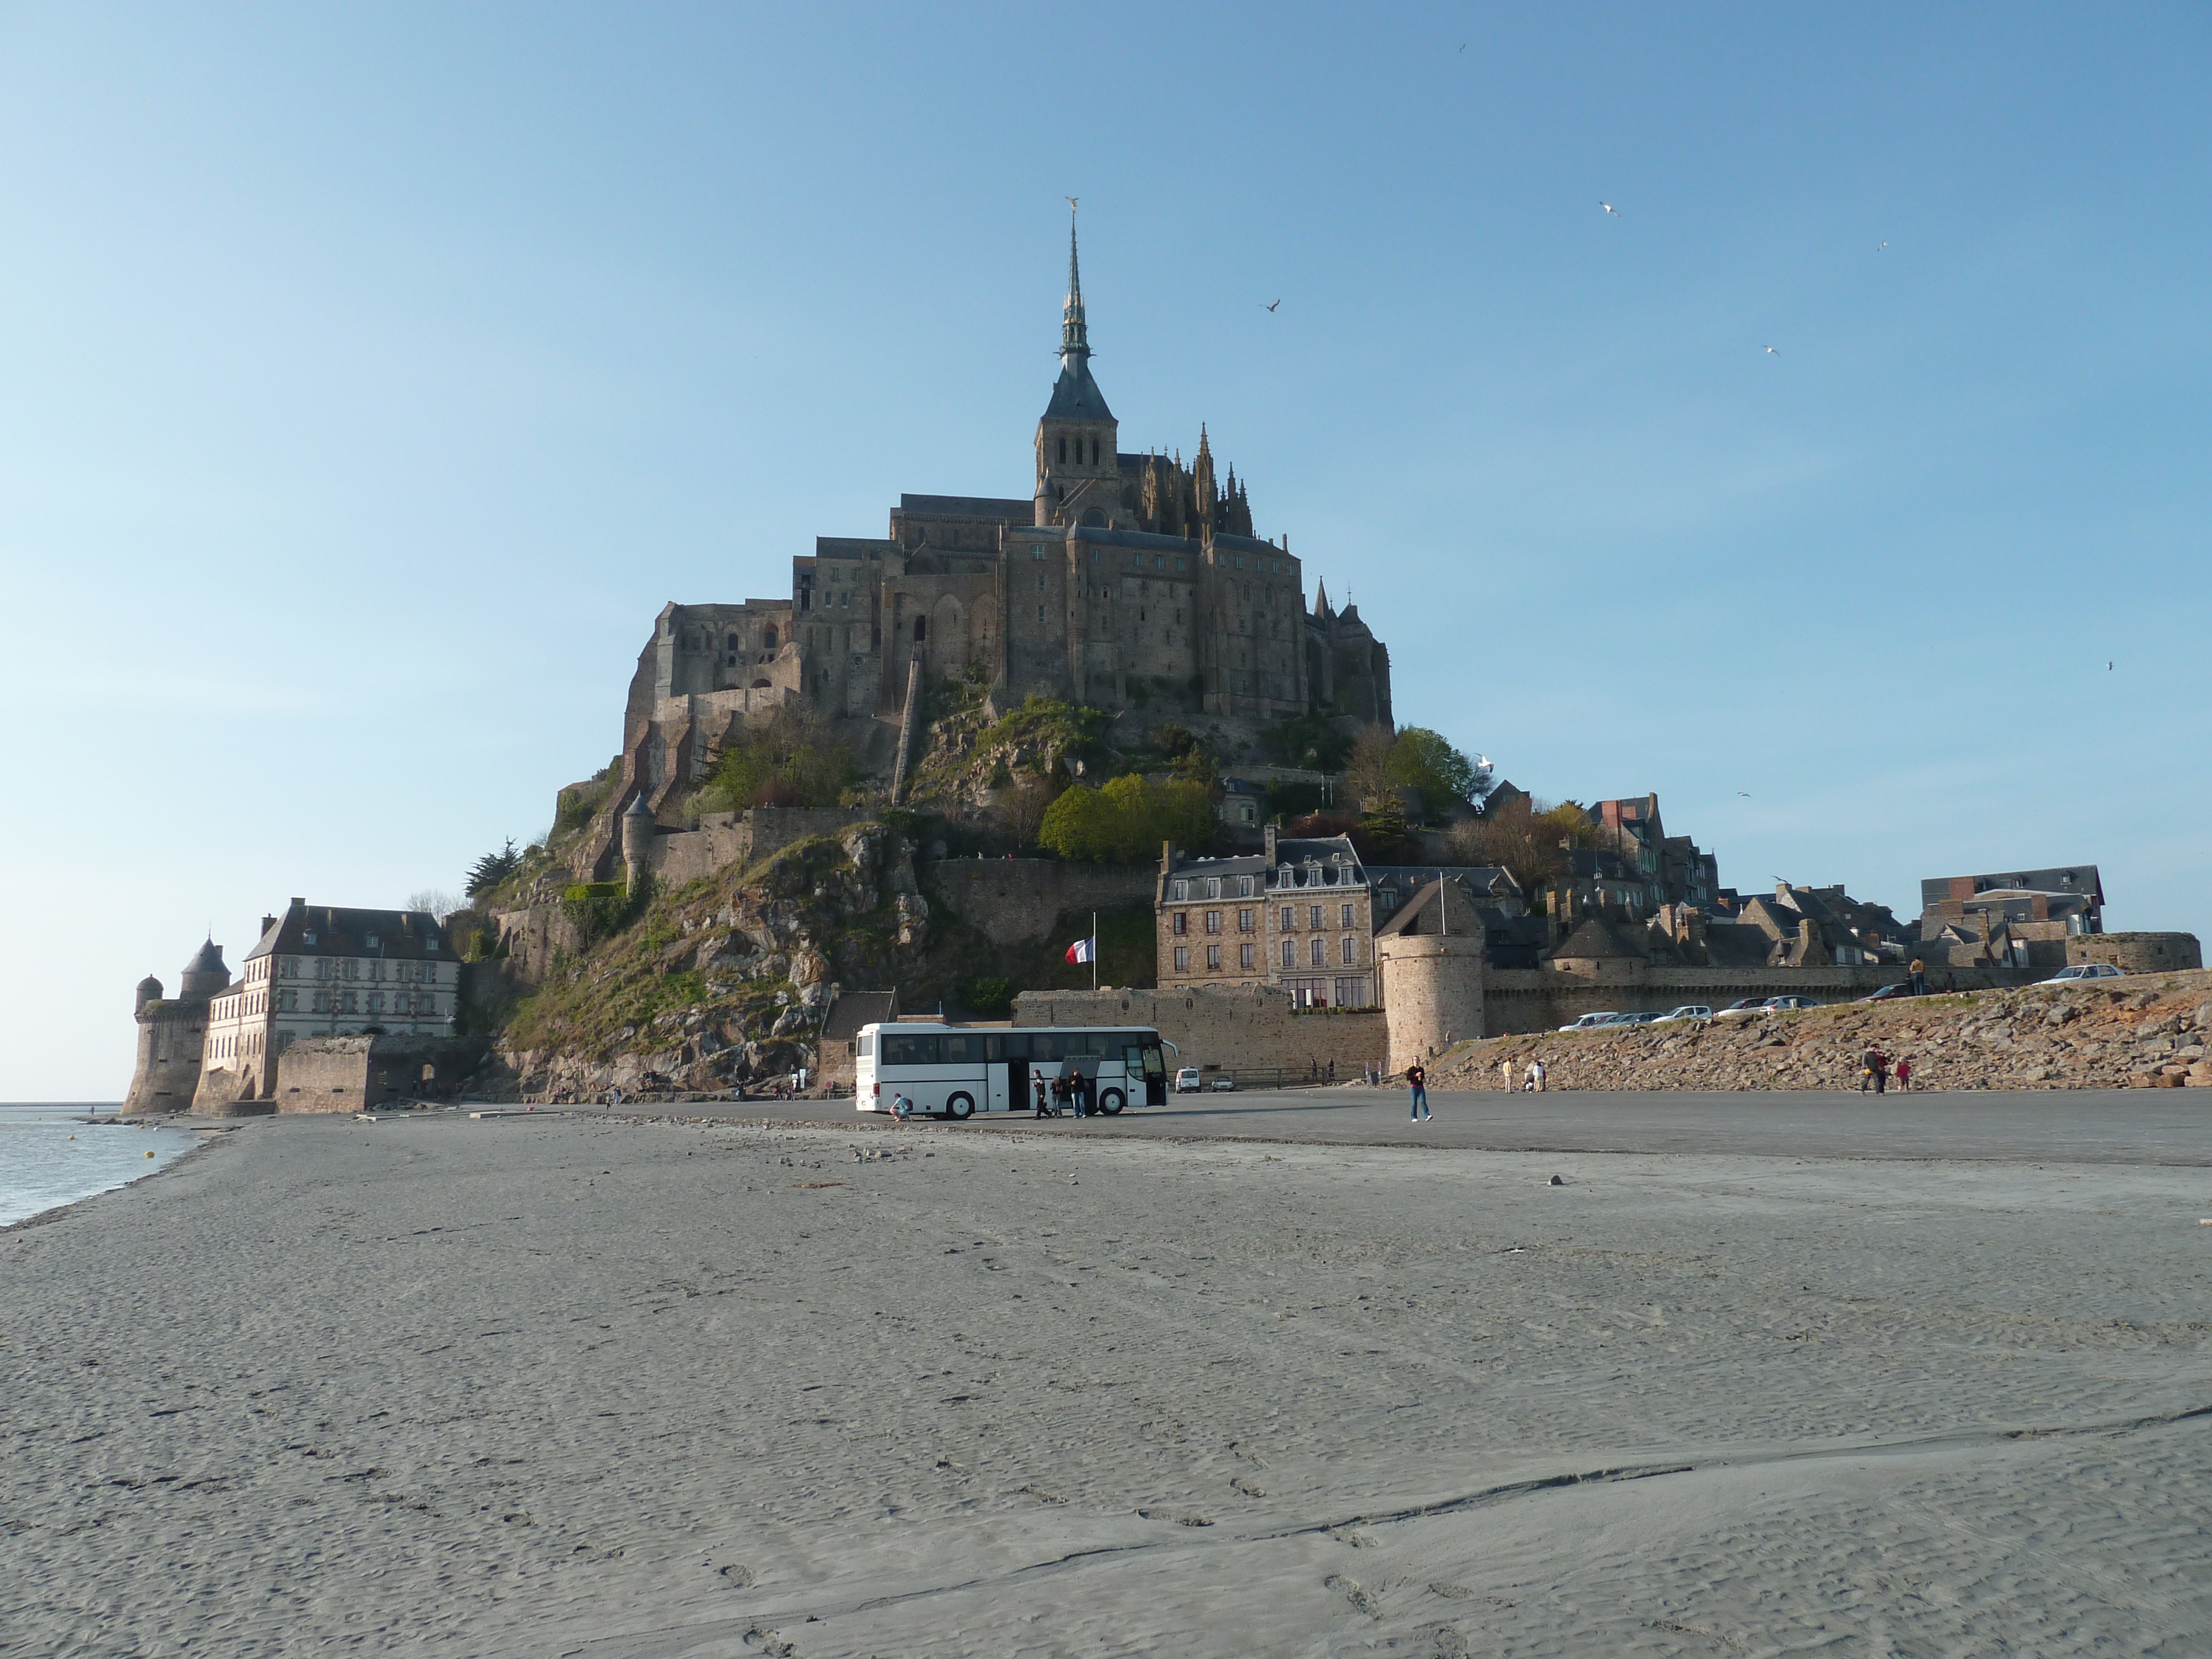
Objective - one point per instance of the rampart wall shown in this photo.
(1542, 999)
(1237, 1030)
(2137, 953)
(353, 1074)
(1016, 901)
(171, 1035)
(722, 838)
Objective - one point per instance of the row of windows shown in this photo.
(1284, 875)
(350, 1002)
(1079, 450)
(1248, 955)
(351, 967)
(1286, 920)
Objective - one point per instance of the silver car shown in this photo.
(1688, 1011)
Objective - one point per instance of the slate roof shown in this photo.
(969, 506)
(208, 959)
(1598, 937)
(1445, 899)
(1076, 396)
(400, 935)
(855, 1009)
(1734, 945)
(2065, 878)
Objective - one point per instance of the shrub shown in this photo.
(991, 996)
(600, 909)
(1126, 820)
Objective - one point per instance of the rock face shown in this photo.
(726, 980)
(2145, 1032)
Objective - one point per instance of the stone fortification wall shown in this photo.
(1237, 1030)
(2137, 953)
(1542, 1000)
(726, 838)
(171, 1036)
(350, 1074)
(1016, 901)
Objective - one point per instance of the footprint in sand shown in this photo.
(1354, 1592)
(739, 1574)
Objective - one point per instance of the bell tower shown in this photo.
(1077, 466)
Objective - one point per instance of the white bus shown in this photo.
(951, 1071)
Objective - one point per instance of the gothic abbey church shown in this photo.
(1126, 581)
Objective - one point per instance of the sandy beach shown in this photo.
(594, 1388)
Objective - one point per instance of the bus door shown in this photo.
(1007, 1081)
(1152, 1066)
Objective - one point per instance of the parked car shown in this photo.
(1788, 1005)
(1186, 1081)
(1590, 1022)
(1637, 1020)
(1224, 1084)
(1890, 993)
(2081, 970)
(1743, 1005)
(1688, 1011)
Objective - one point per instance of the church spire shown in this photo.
(1075, 335)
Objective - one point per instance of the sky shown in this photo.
(370, 376)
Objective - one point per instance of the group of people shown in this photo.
(1875, 1070)
(1072, 1092)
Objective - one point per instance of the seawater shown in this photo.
(41, 1168)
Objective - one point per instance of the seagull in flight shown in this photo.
(1772, 352)
(1272, 308)
(1746, 794)
(1880, 246)
(2108, 668)
(1610, 208)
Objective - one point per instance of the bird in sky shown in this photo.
(1610, 208)
(1462, 45)
(1882, 244)
(2108, 668)
(1277, 303)
(1746, 794)
(1772, 352)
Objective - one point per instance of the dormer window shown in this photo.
(307, 939)
(370, 941)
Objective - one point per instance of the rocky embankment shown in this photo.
(2144, 1032)
(726, 980)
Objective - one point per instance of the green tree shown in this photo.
(789, 761)
(1426, 761)
(493, 868)
(1126, 820)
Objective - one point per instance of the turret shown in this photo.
(637, 827)
(204, 975)
(149, 990)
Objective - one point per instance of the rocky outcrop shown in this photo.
(2142, 1033)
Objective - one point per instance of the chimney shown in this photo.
(267, 922)
(1268, 834)
(1167, 857)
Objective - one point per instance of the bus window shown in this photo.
(1155, 1062)
(1018, 1044)
(909, 1047)
(959, 1048)
(1045, 1046)
(1086, 1043)
(994, 1048)
(867, 1045)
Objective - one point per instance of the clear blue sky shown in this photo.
(370, 376)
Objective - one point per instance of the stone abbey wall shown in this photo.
(1017, 900)
(352, 1074)
(722, 838)
(171, 1035)
(1247, 1029)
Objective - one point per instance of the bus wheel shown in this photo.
(958, 1107)
(1110, 1101)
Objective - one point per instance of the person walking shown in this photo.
(1880, 1071)
(1043, 1107)
(1417, 1081)
(1905, 1072)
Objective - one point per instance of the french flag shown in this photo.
(1083, 949)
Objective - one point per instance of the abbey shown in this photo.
(1124, 580)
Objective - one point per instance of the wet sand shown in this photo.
(586, 1387)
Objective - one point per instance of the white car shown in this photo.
(2082, 971)
(1590, 1022)
(1224, 1084)
(1688, 1011)
(1186, 1081)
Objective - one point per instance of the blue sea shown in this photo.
(50, 1156)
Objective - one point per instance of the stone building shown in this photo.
(1124, 579)
(1298, 915)
(172, 1034)
(321, 970)
(2072, 897)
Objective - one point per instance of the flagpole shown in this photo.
(1094, 950)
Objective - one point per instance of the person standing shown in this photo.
(1535, 1085)
(1919, 972)
(1506, 1075)
(1905, 1072)
(1880, 1071)
(1417, 1080)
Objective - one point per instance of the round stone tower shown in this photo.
(637, 839)
(204, 975)
(149, 990)
(1430, 955)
